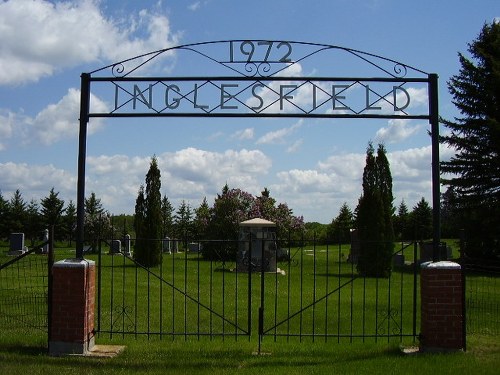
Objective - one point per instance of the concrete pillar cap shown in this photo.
(441, 265)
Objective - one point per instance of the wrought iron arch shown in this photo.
(257, 78)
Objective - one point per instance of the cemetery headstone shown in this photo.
(116, 247)
(355, 247)
(398, 260)
(126, 245)
(166, 245)
(174, 245)
(45, 248)
(194, 247)
(16, 244)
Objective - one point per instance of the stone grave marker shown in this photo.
(17, 244)
(116, 247)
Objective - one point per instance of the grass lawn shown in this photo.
(25, 352)
(28, 356)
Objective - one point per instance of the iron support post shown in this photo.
(436, 194)
(82, 151)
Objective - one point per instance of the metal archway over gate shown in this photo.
(259, 78)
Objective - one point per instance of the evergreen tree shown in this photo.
(52, 208)
(17, 213)
(167, 211)
(33, 226)
(97, 223)
(4, 211)
(374, 225)
(149, 219)
(421, 217)
(201, 220)
(474, 171)
(340, 228)
(69, 222)
(140, 245)
(402, 224)
(183, 221)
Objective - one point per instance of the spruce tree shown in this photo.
(474, 170)
(52, 208)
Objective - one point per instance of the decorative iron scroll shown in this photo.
(263, 82)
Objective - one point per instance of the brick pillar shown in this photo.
(73, 296)
(441, 304)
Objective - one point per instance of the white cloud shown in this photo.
(397, 130)
(40, 37)
(279, 136)
(60, 121)
(52, 124)
(35, 181)
(195, 6)
(188, 174)
(7, 121)
(244, 134)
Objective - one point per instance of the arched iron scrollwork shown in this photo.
(389, 322)
(258, 58)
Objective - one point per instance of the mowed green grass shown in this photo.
(27, 355)
(207, 299)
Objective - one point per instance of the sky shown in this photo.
(312, 164)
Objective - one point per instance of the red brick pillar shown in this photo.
(441, 304)
(73, 296)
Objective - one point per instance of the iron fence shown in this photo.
(482, 298)
(25, 290)
(312, 292)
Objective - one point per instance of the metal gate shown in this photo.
(25, 287)
(315, 294)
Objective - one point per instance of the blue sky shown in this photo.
(314, 165)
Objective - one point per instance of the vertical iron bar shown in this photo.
(289, 285)
(185, 286)
(352, 301)
(173, 252)
(262, 285)
(236, 298)
(198, 285)
(249, 310)
(50, 263)
(211, 298)
(415, 272)
(436, 197)
(314, 288)
(136, 298)
(82, 146)
(376, 307)
(327, 288)
(123, 293)
(99, 290)
(301, 285)
(389, 307)
(339, 291)
(276, 290)
(464, 280)
(223, 298)
(161, 290)
(401, 297)
(149, 301)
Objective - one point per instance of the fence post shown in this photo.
(72, 318)
(441, 306)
